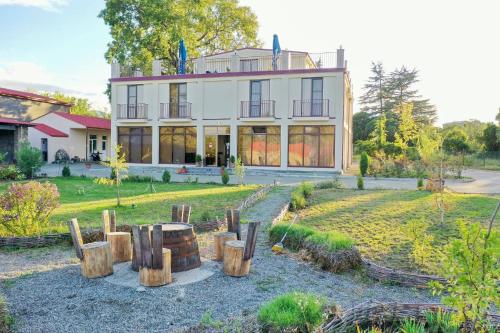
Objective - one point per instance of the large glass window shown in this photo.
(311, 146)
(259, 145)
(136, 143)
(177, 145)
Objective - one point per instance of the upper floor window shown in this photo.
(312, 96)
(249, 65)
(178, 99)
(259, 91)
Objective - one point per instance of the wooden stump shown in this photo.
(234, 265)
(151, 277)
(219, 241)
(121, 246)
(97, 260)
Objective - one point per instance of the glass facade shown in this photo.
(311, 146)
(177, 145)
(136, 144)
(259, 145)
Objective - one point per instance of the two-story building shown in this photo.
(293, 111)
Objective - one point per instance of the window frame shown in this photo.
(267, 135)
(185, 135)
(303, 134)
(142, 135)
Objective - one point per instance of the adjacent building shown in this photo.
(292, 111)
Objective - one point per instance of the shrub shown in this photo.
(10, 173)
(198, 159)
(292, 311)
(26, 208)
(137, 179)
(295, 236)
(112, 175)
(306, 189)
(334, 183)
(420, 183)
(364, 163)
(225, 177)
(166, 176)
(206, 216)
(5, 319)
(66, 172)
(332, 240)
(411, 326)
(440, 322)
(29, 159)
(361, 183)
(232, 159)
(297, 201)
(239, 170)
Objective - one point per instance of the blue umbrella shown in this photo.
(182, 58)
(276, 51)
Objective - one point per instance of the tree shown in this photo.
(456, 142)
(364, 163)
(239, 170)
(29, 159)
(379, 134)
(490, 139)
(407, 127)
(81, 106)
(362, 126)
(144, 30)
(119, 167)
(375, 93)
(497, 118)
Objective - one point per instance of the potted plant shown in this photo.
(198, 160)
(232, 160)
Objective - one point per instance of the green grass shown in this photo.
(377, 219)
(299, 311)
(6, 320)
(87, 204)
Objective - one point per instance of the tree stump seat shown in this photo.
(220, 239)
(238, 254)
(121, 246)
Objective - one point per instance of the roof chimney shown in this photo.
(340, 57)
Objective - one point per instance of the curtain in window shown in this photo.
(177, 145)
(311, 146)
(259, 145)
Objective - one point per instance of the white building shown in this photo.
(291, 112)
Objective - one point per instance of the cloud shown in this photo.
(48, 5)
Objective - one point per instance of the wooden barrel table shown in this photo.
(181, 240)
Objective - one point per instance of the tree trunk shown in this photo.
(234, 265)
(219, 242)
(151, 277)
(121, 247)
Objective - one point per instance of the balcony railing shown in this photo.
(132, 111)
(311, 108)
(180, 110)
(257, 109)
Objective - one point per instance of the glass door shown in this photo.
(210, 150)
(132, 102)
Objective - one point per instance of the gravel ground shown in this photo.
(59, 299)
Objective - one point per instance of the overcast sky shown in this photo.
(455, 44)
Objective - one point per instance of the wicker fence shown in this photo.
(254, 197)
(377, 314)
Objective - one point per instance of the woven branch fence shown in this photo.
(384, 274)
(377, 314)
(254, 197)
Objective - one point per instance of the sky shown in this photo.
(455, 45)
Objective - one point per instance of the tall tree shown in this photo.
(362, 125)
(81, 106)
(401, 89)
(375, 93)
(407, 128)
(144, 30)
(490, 139)
(497, 118)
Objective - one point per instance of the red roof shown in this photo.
(14, 122)
(50, 131)
(31, 96)
(87, 121)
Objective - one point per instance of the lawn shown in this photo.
(83, 199)
(377, 220)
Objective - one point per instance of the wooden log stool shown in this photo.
(238, 254)
(153, 260)
(181, 213)
(219, 240)
(95, 258)
(120, 242)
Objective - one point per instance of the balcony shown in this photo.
(311, 109)
(175, 111)
(133, 112)
(257, 110)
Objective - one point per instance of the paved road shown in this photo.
(484, 181)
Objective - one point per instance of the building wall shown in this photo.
(26, 110)
(216, 101)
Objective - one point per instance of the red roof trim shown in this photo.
(15, 122)
(228, 74)
(87, 121)
(50, 131)
(32, 97)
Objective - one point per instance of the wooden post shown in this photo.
(136, 254)
(175, 213)
(219, 241)
(97, 260)
(251, 240)
(74, 229)
(121, 247)
(112, 220)
(236, 223)
(147, 259)
(157, 245)
(234, 265)
(151, 277)
(105, 224)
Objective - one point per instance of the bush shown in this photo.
(225, 177)
(295, 237)
(10, 173)
(112, 175)
(364, 163)
(25, 208)
(66, 172)
(298, 201)
(232, 159)
(29, 159)
(206, 216)
(361, 183)
(420, 183)
(306, 189)
(166, 176)
(440, 321)
(137, 179)
(292, 311)
(198, 159)
(335, 183)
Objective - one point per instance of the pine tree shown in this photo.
(375, 91)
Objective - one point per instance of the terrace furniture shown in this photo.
(153, 260)
(181, 213)
(181, 240)
(219, 241)
(120, 242)
(238, 254)
(233, 222)
(96, 259)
